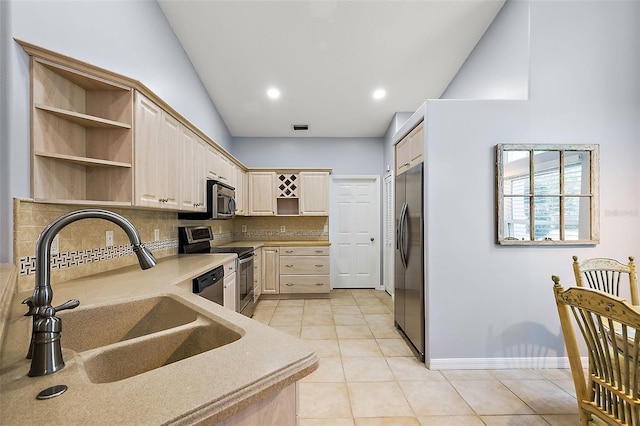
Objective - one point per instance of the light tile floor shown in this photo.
(368, 376)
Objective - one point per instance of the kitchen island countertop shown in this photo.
(213, 385)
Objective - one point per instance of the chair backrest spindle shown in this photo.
(607, 275)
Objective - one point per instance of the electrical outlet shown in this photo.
(283, 229)
(244, 228)
(55, 245)
(156, 234)
(109, 238)
(220, 229)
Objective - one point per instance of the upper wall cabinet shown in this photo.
(261, 193)
(410, 149)
(289, 193)
(82, 139)
(158, 149)
(314, 193)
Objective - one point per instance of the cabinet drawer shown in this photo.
(304, 284)
(304, 251)
(309, 265)
(229, 267)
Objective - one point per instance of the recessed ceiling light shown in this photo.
(379, 94)
(273, 93)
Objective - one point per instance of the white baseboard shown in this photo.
(499, 363)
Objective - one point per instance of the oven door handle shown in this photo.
(246, 259)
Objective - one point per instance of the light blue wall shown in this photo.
(129, 37)
(486, 301)
(346, 156)
(498, 67)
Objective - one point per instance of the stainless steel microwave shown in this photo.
(221, 202)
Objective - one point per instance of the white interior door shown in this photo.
(354, 233)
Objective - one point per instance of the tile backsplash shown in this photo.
(82, 244)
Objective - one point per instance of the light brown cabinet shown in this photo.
(241, 190)
(304, 270)
(157, 149)
(261, 193)
(229, 286)
(314, 193)
(410, 150)
(270, 270)
(82, 138)
(257, 274)
(288, 193)
(193, 181)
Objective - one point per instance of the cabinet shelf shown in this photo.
(79, 78)
(81, 136)
(83, 120)
(85, 161)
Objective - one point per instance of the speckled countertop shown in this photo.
(212, 385)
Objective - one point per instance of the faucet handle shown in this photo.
(70, 304)
(32, 309)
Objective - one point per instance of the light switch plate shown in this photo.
(109, 238)
(156, 234)
(283, 229)
(244, 228)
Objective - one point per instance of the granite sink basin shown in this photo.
(132, 358)
(91, 327)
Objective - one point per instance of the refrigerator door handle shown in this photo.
(402, 234)
(405, 235)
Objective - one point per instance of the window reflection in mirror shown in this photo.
(557, 183)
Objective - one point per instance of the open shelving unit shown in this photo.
(82, 138)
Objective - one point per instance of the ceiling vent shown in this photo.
(300, 126)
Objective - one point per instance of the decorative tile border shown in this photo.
(82, 257)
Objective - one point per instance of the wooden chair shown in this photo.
(610, 327)
(606, 274)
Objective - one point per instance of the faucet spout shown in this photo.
(45, 350)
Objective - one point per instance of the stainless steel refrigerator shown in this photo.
(409, 289)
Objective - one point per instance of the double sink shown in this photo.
(125, 339)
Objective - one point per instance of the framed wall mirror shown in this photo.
(547, 194)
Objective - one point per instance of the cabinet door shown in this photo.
(314, 193)
(241, 192)
(188, 179)
(148, 140)
(417, 145)
(261, 198)
(200, 178)
(170, 155)
(403, 155)
(229, 295)
(225, 168)
(271, 270)
(257, 274)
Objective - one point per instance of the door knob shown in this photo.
(372, 238)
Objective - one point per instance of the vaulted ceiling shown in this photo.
(326, 58)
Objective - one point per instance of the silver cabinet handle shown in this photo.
(320, 284)
(288, 251)
(289, 266)
(319, 251)
(319, 266)
(289, 284)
